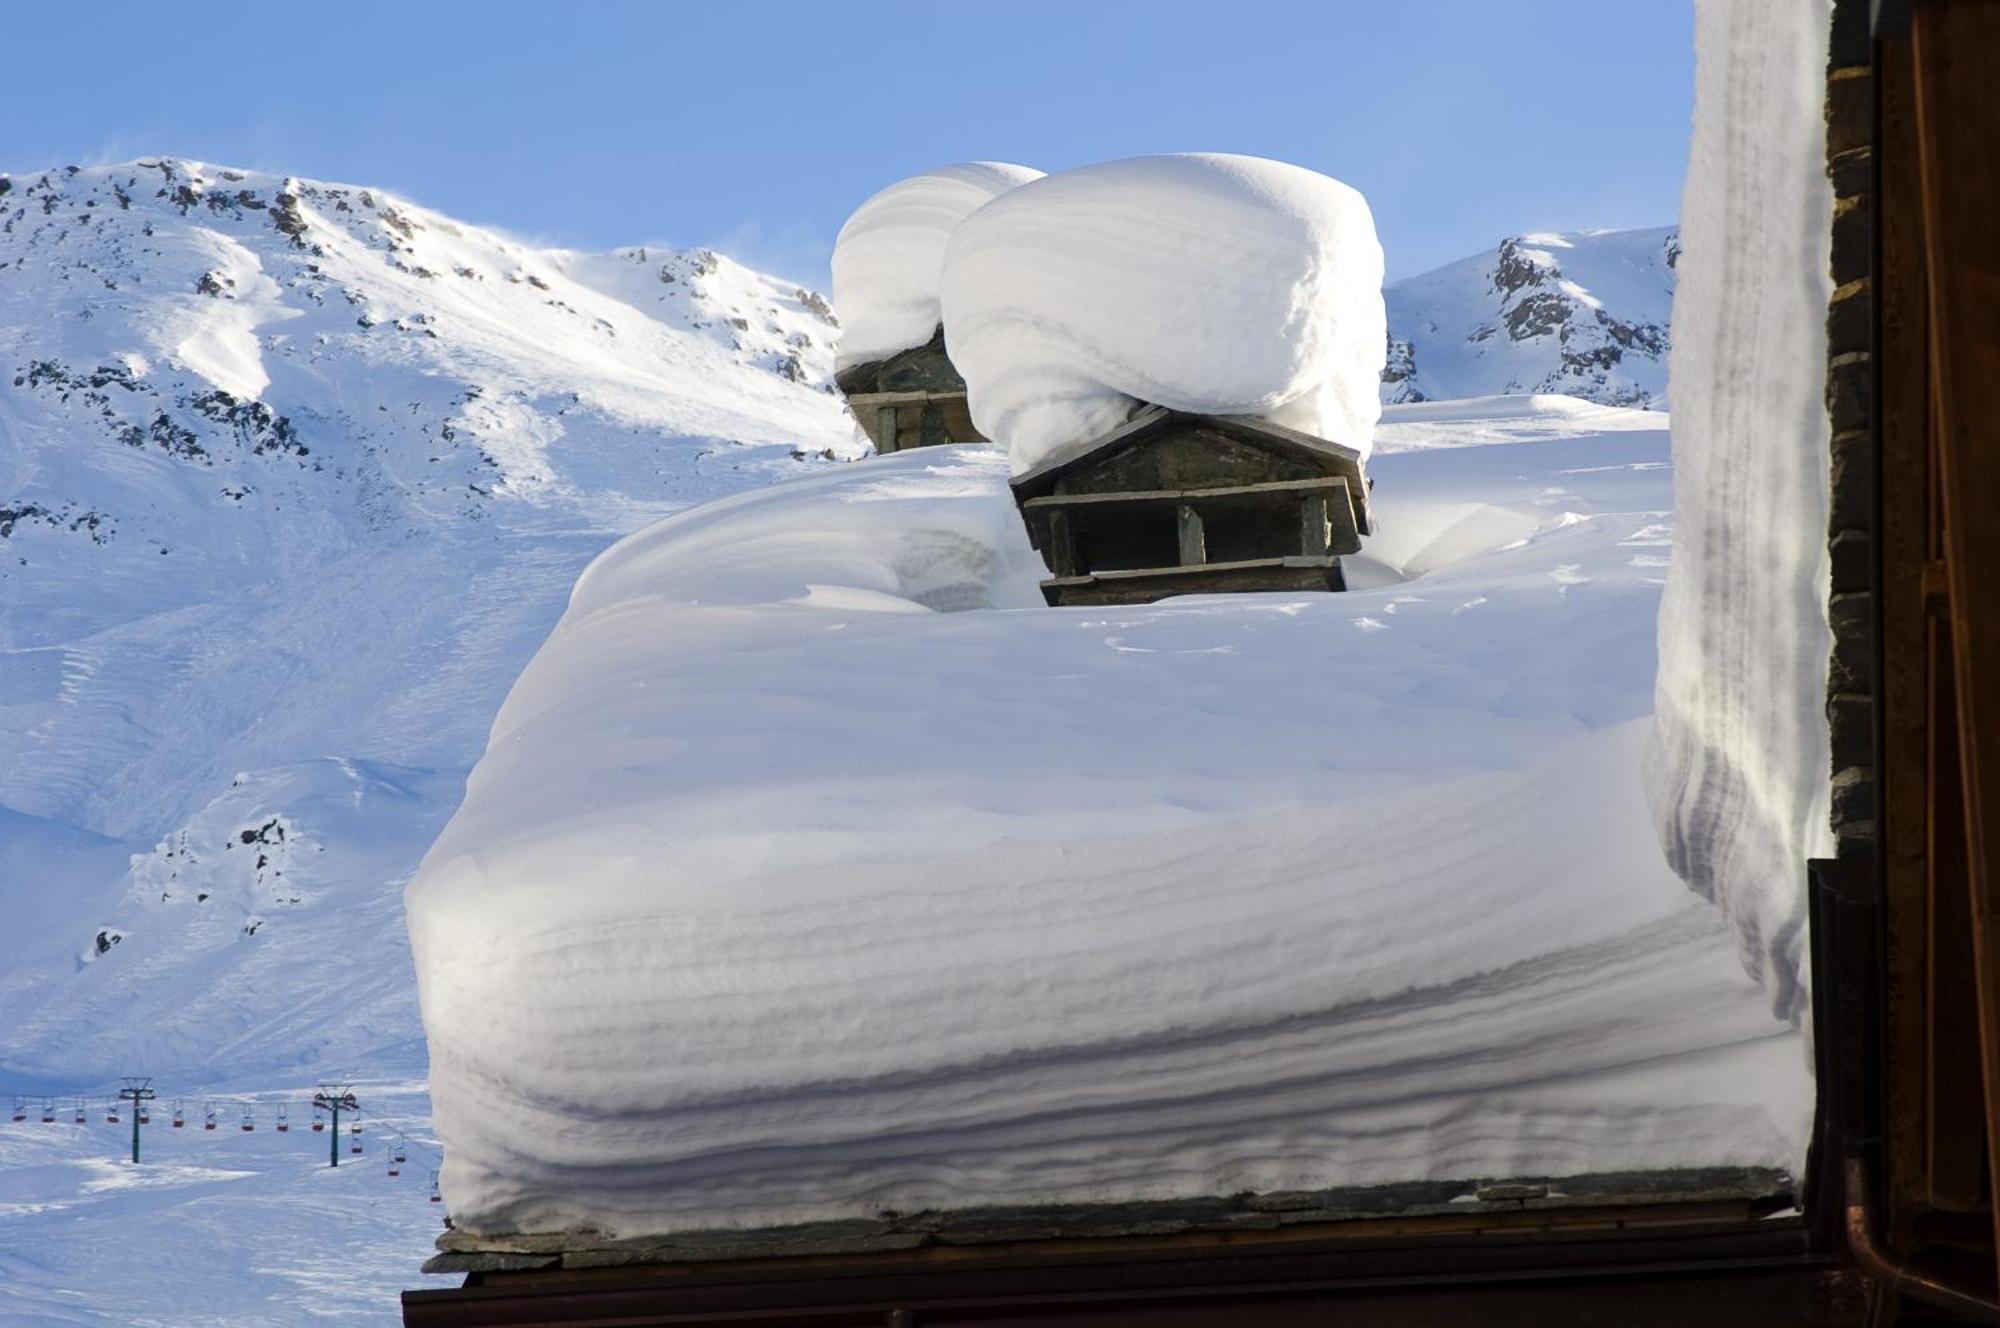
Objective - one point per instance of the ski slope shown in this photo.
(294, 477)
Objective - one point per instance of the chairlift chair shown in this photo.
(49, 1112)
(20, 1108)
(208, 1122)
(180, 1117)
(111, 1111)
(145, 1114)
(82, 1111)
(437, 1195)
(249, 1121)
(319, 1125)
(284, 1121)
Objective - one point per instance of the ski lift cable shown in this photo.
(279, 1102)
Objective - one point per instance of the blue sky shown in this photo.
(756, 127)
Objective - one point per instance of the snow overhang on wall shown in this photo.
(1737, 771)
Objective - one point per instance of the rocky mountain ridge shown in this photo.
(1581, 313)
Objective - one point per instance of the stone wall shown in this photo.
(1849, 400)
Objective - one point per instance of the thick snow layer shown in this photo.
(888, 256)
(1206, 282)
(814, 869)
(1738, 767)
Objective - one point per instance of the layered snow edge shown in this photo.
(1738, 770)
(813, 870)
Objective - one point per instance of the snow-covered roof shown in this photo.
(1204, 282)
(888, 255)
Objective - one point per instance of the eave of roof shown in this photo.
(1150, 419)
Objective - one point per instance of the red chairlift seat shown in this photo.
(209, 1122)
(49, 1112)
(20, 1109)
(145, 1115)
(284, 1122)
(437, 1196)
(249, 1121)
(180, 1121)
(81, 1112)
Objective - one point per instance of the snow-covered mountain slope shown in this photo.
(294, 476)
(1582, 313)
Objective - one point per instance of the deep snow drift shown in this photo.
(1206, 282)
(888, 257)
(813, 869)
(1738, 770)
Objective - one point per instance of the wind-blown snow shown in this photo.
(1221, 284)
(1738, 766)
(889, 254)
(814, 869)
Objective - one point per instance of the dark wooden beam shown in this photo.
(1315, 536)
(1325, 483)
(1061, 550)
(1956, 53)
(1733, 1274)
(1901, 393)
(1193, 539)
